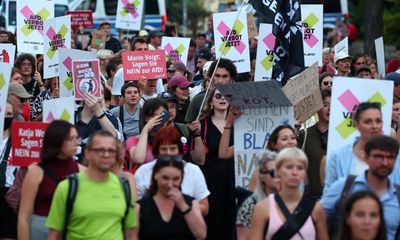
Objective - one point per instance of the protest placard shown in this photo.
(59, 108)
(347, 93)
(150, 64)
(342, 46)
(312, 18)
(129, 14)
(304, 93)
(256, 123)
(5, 75)
(65, 58)
(231, 39)
(265, 53)
(98, 40)
(86, 75)
(7, 53)
(176, 49)
(26, 142)
(380, 56)
(251, 26)
(81, 18)
(31, 15)
(57, 35)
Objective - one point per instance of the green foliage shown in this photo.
(391, 20)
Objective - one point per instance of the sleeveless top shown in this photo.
(152, 226)
(307, 231)
(60, 168)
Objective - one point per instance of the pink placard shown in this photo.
(86, 75)
(81, 18)
(150, 64)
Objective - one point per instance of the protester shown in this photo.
(60, 143)
(192, 58)
(342, 64)
(172, 214)
(104, 55)
(16, 76)
(126, 43)
(97, 188)
(395, 77)
(154, 38)
(179, 87)
(32, 80)
(395, 114)
(363, 218)
(372, 65)
(327, 64)
(380, 155)
(18, 97)
(111, 43)
(394, 64)
(357, 62)
(271, 214)
(364, 72)
(52, 91)
(325, 81)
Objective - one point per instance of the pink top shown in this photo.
(132, 142)
(276, 221)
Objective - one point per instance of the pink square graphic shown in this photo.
(269, 40)
(348, 100)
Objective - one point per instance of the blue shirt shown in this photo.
(389, 200)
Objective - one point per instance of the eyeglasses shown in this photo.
(271, 172)
(77, 140)
(103, 151)
(327, 83)
(26, 64)
(218, 95)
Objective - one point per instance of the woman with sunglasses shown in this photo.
(166, 213)
(367, 119)
(306, 215)
(267, 183)
(60, 143)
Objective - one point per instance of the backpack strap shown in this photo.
(295, 221)
(127, 195)
(72, 191)
(121, 115)
(397, 187)
(49, 173)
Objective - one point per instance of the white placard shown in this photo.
(176, 49)
(5, 75)
(342, 46)
(7, 53)
(380, 56)
(129, 14)
(59, 108)
(265, 53)
(312, 18)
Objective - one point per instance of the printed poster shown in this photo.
(265, 53)
(31, 15)
(176, 49)
(5, 75)
(7, 53)
(86, 78)
(150, 64)
(312, 18)
(81, 18)
(59, 109)
(342, 46)
(231, 39)
(57, 35)
(65, 58)
(27, 142)
(380, 56)
(347, 93)
(129, 14)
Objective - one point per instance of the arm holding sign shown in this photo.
(198, 154)
(94, 105)
(225, 151)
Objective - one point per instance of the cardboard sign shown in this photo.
(342, 46)
(5, 75)
(129, 14)
(304, 93)
(65, 58)
(231, 39)
(265, 53)
(380, 56)
(150, 64)
(57, 35)
(7, 53)
(27, 142)
(176, 49)
(98, 40)
(59, 108)
(347, 93)
(82, 18)
(86, 78)
(254, 94)
(259, 118)
(31, 15)
(251, 26)
(312, 17)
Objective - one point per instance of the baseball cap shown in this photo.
(18, 90)
(341, 56)
(364, 68)
(177, 66)
(393, 76)
(201, 34)
(180, 81)
(155, 33)
(104, 53)
(167, 96)
(143, 33)
(104, 23)
(205, 54)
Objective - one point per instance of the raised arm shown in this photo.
(225, 151)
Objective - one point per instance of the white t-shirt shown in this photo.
(193, 184)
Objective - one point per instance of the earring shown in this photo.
(212, 107)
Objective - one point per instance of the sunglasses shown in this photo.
(218, 95)
(271, 172)
(328, 83)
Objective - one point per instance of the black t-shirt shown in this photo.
(113, 44)
(32, 88)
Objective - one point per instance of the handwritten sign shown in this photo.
(31, 15)
(251, 26)
(129, 14)
(27, 142)
(59, 108)
(7, 53)
(5, 75)
(176, 49)
(265, 53)
(304, 93)
(86, 78)
(82, 18)
(312, 17)
(150, 64)
(231, 39)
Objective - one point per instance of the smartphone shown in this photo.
(164, 119)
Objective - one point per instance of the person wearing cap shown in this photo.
(179, 87)
(154, 38)
(395, 77)
(342, 63)
(143, 33)
(364, 72)
(203, 57)
(104, 56)
(177, 69)
(17, 96)
(111, 43)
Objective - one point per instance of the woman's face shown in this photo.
(364, 219)
(286, 138)
(26, 68)
(182, 93)
(17, 78)
(370, 123)
(169, 149)
(396, 112)
(268, 176)
(291, 172)
(70, 145)
(168, 178)
(326, 58)
(218, 101)
(54, 86)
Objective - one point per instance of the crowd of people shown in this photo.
(147, 161)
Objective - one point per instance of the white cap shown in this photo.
(341, 56)
(143, 33)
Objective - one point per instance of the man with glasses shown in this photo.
(342, 64)
(99, 208)
(380, 155)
